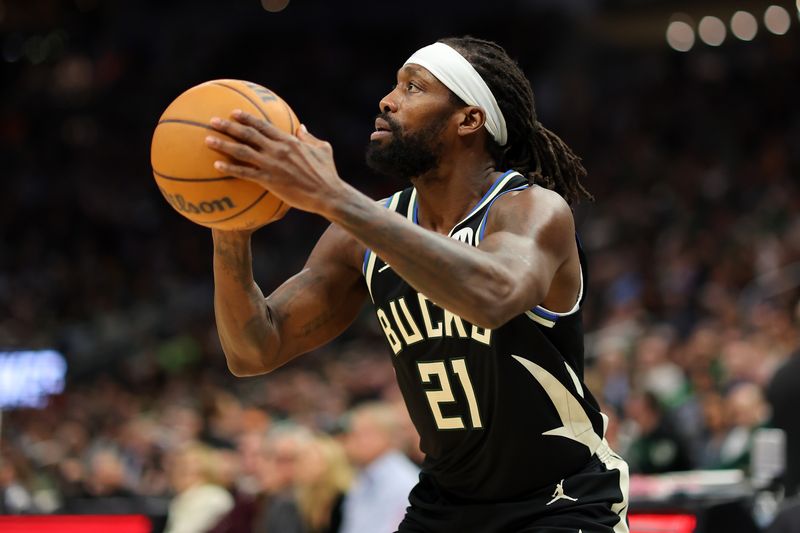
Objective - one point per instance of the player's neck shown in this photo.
(447, 194)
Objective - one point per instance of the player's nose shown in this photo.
(388, 104)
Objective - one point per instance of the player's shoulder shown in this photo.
(536, 195)
(532, 205)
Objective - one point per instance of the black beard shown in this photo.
(407, 155)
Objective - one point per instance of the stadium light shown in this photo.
(680, 36)
(777, 19)
(274, 6)
(28, 377)
(712, 31)
(744, 25)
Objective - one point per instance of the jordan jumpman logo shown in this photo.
(559, 494)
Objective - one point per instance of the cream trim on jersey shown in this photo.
(577, 303)
(575, 380)
(540, 320)
(412, 202)
(542, 315)
(579, 388)
(575, 422)
(612, 461)
(372, 256)
(495, 190)
(482, 225)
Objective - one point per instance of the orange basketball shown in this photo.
(183, 166)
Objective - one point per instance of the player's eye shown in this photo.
(409, 86)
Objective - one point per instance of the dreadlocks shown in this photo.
(532, 149)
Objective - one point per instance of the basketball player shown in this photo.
(477, 280)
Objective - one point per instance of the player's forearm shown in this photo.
(465, 280)
(245, 329)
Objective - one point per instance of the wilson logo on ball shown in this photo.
(265, 94)
(209, 206)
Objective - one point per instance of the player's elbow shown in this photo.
(241, 371)
(487, 321)
(243, 366)
(493, 316)
(505, 300)
(492, 312)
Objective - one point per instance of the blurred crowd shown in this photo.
(693, 246)
(276, 454)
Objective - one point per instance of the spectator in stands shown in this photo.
(69, 478)
(378, 499)
(658, 447)
(106, 476)
(323, 478)
(223, 416)
(612, 372)
(14, 497)
(746, 410)
(246, 490)
(283, 447)
(199, 500)
(708, 445)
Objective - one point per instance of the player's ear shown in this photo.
(472, 120)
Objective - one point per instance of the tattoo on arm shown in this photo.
(236, 261)
(293, 293)
(318, 322)
(255, 331)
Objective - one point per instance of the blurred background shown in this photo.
(686, 115)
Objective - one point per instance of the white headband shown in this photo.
(458, 75)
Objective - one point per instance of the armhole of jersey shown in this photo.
(542, 315)
(369, 255)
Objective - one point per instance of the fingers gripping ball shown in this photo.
(183, 166)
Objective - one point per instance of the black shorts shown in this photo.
(594, 500)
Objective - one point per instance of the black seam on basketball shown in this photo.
(173, 178)
(234, 89)
(277, 208)
(187, 122)
(243, 211)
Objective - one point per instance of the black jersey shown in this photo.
(501, 413)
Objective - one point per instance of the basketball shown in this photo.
(183, 166)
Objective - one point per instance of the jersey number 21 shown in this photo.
(444, 394)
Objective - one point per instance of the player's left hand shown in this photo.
(300, 170)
